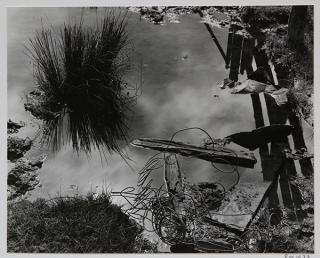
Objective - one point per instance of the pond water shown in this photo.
(179, 65)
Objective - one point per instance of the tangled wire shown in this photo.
(158, 206)
(180, 216)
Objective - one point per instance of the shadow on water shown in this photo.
(241, 51)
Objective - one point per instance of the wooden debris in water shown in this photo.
(240, 205)
(217, 154)
(174, 183)
(172, 174)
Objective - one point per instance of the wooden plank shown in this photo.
(217, 155)
(174, 183)
(240, 205)
(214, 246)
(172, 174)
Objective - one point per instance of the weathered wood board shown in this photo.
(241, 204)
(174, 182)
(238, 207)
(217, 154)
(172, 174)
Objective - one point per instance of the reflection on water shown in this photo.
(240, 55)
(177, 67)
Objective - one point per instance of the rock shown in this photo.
(23, 177)
(13, 127)
(152, 14)
(17, 147)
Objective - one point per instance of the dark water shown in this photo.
(177, 67)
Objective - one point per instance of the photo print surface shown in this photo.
(160, 129)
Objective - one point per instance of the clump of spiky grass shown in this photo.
(71, 225)
(80, 89)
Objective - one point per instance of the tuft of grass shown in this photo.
(72, 225)
(80, 88)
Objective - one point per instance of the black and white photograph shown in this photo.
(160, 129)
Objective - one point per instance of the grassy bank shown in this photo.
(73, 225)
